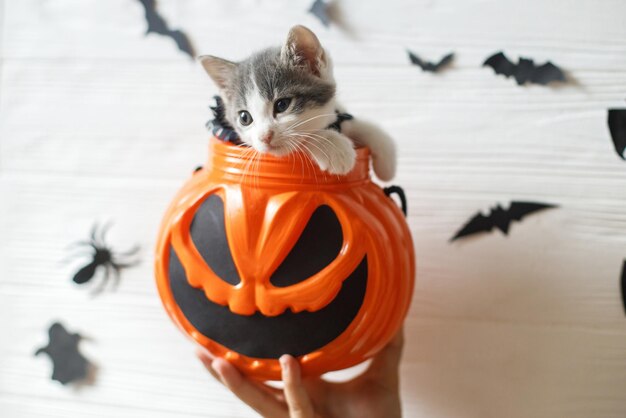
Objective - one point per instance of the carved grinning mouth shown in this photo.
(269, 337)
(257, 335)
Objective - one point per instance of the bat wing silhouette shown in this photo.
(157, 24)
(430, 66)
(68, 364)
(320, 10)
(525, 70)
(499, 218)
(617, 125)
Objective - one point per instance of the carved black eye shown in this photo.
(208, 232)
(245, 118)
(281, 105)
(318, 245)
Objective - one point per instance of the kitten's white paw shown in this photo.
(381, 145)
(385, 168)
(335, 154)
(342, 158)
(321, 161)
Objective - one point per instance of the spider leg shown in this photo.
(94, 230)
(74, 256)
(85, 244)
(132, 251)
(125, 264)
(80, 244)
(107, 271)
(103, 233)
(116, 275)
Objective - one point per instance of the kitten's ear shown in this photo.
(302, 48)
(220, 70)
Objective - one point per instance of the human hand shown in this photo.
(373, 394)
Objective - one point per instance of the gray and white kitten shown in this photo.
(282, 100)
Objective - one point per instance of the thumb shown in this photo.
(296, 396)
(386, 363)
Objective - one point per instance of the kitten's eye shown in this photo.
(245, 118)
(281, 105)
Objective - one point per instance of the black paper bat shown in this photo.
(623, 285)
(525, 70)
(429, 66)
(617, 125)
(500, 218)
(68, 364)
(157, 24)
(320, 10)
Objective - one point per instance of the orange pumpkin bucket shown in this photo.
(260, 256)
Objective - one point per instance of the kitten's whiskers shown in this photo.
(296, 124)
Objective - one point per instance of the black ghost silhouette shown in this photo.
(69, 365)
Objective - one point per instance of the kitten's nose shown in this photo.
(267, 139)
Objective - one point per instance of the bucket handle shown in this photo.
(398, 191)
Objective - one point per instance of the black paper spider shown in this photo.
(103, 256)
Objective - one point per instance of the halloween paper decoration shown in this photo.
(319, 9)
(257, 260)
(102, 256)
(525, 70)
(219, 126)
(157, 24)
(499, 218)
(430, 66)
(68, 364)
(623, 285)
(617, 126)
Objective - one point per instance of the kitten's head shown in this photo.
(279, 97)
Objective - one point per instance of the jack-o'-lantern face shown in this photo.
(323, 272)
(294, 304)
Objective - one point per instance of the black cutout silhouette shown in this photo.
(102, 256)
(500, 218)
(617, 126)
(525, 70)
(430, 66)
(320, 10)
(623, 285)
(68, 364)
(157, 24)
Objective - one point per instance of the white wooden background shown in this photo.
(99, 122)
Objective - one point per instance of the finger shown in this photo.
(257, 399)
(207, 362)
(297, 398)
(202, 352)
(386, 363)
